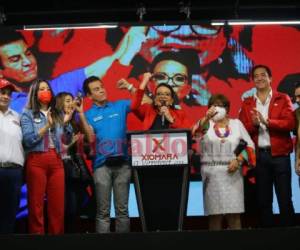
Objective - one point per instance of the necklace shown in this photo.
(219, 134)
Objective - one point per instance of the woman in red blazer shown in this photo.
(161, 114)
(160, 186)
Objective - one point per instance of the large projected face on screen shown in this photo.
(197, 60)
(18, 62)
(208, 41)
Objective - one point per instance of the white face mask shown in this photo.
(221, 113)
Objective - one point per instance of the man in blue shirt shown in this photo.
(107, 122)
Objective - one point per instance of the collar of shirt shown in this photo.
(8, 112)
(267, 100)
(107, 104)
(263, 136)
(15, 95)
(44, 112)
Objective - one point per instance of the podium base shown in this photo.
(161, 193)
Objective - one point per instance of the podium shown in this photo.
(160, 164)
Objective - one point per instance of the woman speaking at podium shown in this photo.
(161, 114)
(161, 185)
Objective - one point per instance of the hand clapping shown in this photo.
(49, 118)
(257, 118)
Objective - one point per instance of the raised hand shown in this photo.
(211, 112)
(130, 44)
(68, 116)
(78, 105)
(145, 81)
(123, 84)
(50, 122)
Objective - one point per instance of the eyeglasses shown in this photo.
(219, 105)
(167, 94)
(177, 79)
(204, 30)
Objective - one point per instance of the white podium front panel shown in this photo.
(159, 149)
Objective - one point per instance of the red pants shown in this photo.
(45, 177)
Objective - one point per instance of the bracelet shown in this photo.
(130, 86)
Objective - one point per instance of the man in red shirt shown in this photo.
(268, 116)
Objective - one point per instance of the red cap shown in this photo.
(6, 84)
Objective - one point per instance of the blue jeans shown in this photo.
(274, 171)
(10, 190)
(116, 179)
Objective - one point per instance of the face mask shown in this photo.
(221, 113)
(44, 96)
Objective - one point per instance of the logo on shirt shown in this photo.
(98, 118)
(37, 120)
(113, 115)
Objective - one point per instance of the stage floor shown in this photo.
(276, 238)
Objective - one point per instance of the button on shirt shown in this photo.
(263, 136)
(11, 149)
(109, 125)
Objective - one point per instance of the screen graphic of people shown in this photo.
(19, 65)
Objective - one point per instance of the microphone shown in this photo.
(163, 103)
